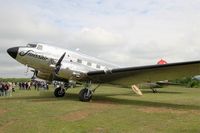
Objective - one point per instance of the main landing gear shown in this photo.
(154, 90)
(85, 95)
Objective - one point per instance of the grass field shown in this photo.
(112, 110)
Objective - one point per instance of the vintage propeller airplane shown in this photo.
(52, 63)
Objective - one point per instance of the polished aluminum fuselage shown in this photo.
(74, 65)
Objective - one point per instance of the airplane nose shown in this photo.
(13, 52)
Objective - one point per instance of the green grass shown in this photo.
(113, 109)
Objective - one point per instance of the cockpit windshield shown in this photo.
(31, 45)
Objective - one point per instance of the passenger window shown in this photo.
(89, 64)
(98, 66)
(39, 47)
(31, 45)
(79, 61)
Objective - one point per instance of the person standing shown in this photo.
(20, 85)
(1, 89)
(29, 85)
(13, 87)
(9, 89)
(6, 89)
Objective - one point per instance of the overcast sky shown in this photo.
(127, 33)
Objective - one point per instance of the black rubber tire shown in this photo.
(83, 97)
(58, 93)
(155, 91)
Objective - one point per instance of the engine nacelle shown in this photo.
(65, 73)
(69, 71)
(42, 75)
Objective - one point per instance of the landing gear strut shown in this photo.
(59, 92)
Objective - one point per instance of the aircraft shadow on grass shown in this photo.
(106, 98)
(162, 92)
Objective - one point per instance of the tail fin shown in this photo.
(161, 62)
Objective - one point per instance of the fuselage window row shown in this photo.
(89, 64)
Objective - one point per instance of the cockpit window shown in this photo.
(39, 47)
(31, 45)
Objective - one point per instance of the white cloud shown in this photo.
(94, 38)
(124, 32)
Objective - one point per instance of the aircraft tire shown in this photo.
(155, 91)
(83, 95)
(58, 92)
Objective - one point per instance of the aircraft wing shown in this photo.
(134, 75)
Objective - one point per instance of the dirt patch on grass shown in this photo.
(2, 111)
(75, 116)
(99, 130)
(195, 112)
(7, 124)
(86, 112)
(161, 110)
(167, 110)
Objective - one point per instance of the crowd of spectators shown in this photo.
(40, 85)
(36, 84)
(25, 85)
(6, 88)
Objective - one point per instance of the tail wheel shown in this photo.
(155, 90)
(85, 95)
(59, 92)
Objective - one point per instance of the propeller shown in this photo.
(58, 64)
(57, 67)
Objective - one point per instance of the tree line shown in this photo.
(15, 80)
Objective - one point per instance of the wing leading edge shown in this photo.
(134, 75)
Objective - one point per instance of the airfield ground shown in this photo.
(118, 110)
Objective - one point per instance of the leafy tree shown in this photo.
(15, 79)
(188, 82)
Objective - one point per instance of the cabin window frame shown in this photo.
(89, 64)
(31, 45)
(39, 47)
(98, 66)
(80, 61)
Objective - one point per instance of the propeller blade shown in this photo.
(58, 64)
(57, 68)
(60, 60)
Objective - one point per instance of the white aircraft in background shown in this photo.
(52, 63)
